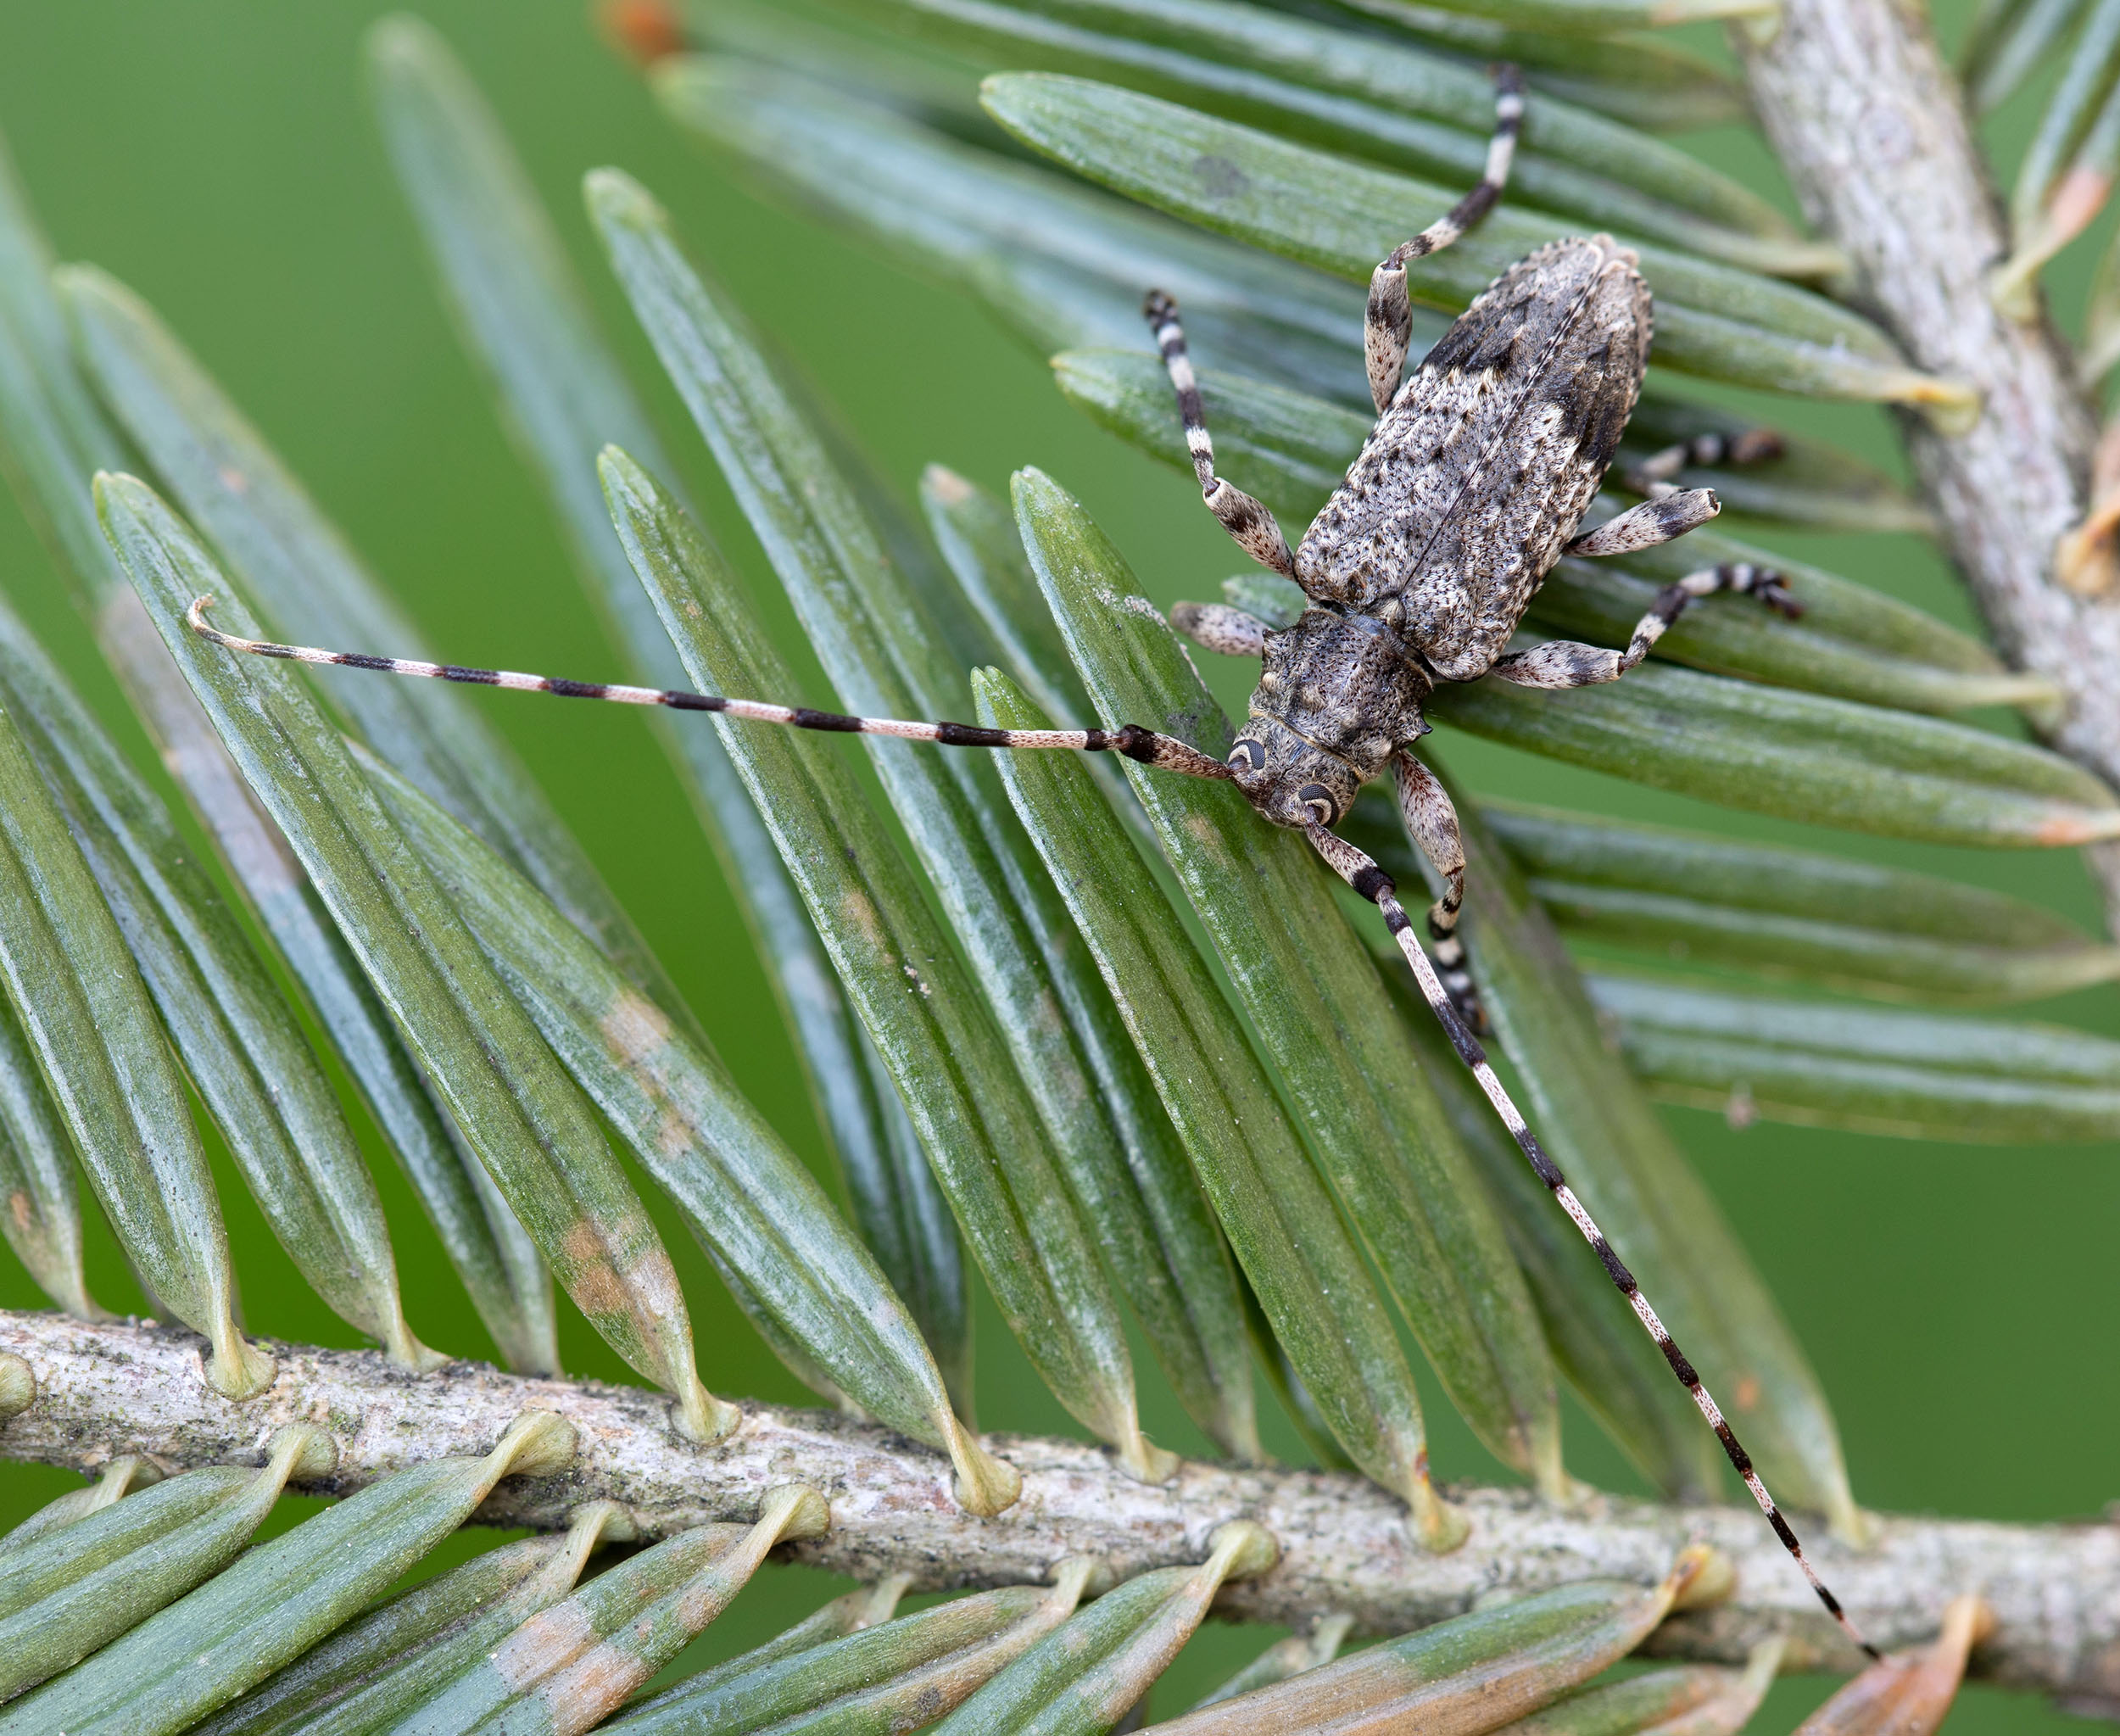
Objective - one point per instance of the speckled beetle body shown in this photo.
(1483, 465)
(1474, 481)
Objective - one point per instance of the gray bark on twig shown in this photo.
(109, 1389)
(1869, 123)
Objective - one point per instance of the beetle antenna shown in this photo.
(1360, 871)
(1165, 752)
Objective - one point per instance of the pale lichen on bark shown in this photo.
(107, 1390)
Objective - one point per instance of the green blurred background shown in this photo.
(218, 156)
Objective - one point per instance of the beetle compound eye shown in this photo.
(1318, 799)
(1247, 755)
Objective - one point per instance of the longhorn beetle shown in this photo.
(1473, 483)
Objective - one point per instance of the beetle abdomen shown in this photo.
(1484, 464)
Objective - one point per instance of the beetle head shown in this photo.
(1286, 778)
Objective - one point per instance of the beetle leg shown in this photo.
(1433, 823)
(1245, 519)
(1658, 473)
(1663, 518)
(1217, 627)
(1389, 321)
(1564, 663)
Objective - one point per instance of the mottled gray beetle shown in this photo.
(1471, 485)
(1480, 468)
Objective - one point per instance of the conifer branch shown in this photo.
(106, 1389)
